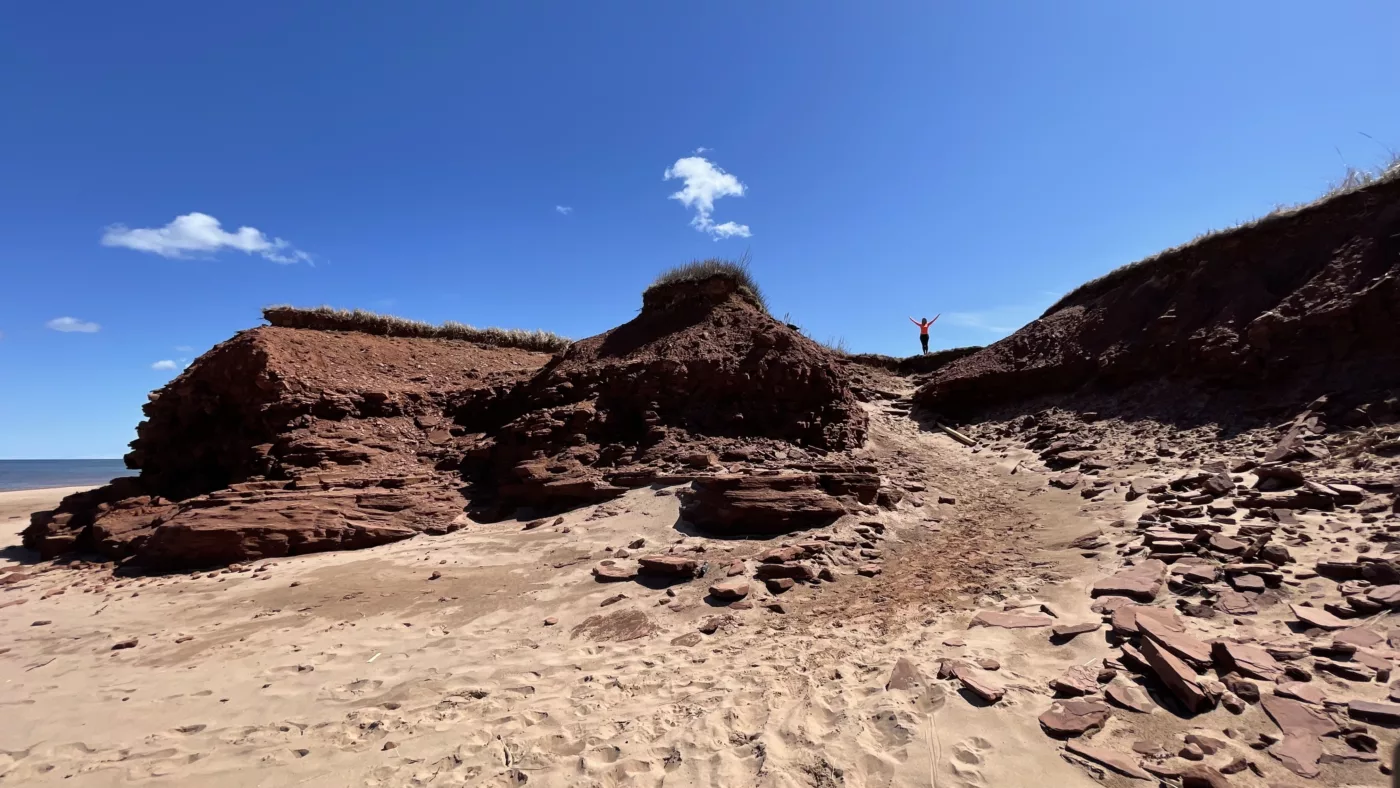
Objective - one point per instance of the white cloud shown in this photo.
(164, 364)
(200, 233)
(705, 183)
(564, 209)
(71, 324)
(184, 349)
(730, 230)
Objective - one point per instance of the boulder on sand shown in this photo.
(737, 504)
(1140, 582)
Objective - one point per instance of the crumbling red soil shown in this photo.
(285, 441)
(701, 377)
(1292, 307)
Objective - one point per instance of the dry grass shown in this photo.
(324, 318)
(1354, 180)
(700, 270)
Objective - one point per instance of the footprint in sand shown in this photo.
(893, 729)
(967, 759)
(353, 690)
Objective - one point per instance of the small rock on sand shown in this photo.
(1067, 718)
(1069, 631)
(995, 618)
(1117, 761)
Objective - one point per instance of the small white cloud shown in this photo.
(705, 183)
(730, 230)
(73, 324)
(564, 209)
(183, 349)
(164, 364)
(701, 150)
(200, 233)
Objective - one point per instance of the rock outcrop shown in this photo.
(753, 504)
(702, 375)
(1296, 304)
(285, 441)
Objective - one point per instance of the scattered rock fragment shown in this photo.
(730, 589)
(997, 618)
(971, 679)
(1316, 617)
(1141, 582)
(905, 676)
(1066, 718)
(1117, 761)
(668, 566)
(612, 573)
(1066, 632)
(1176, 675)
(1303, 727)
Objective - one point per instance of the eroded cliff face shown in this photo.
(1294, 306)
(284, 441)
(700, 372)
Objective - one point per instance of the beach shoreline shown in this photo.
(17, 505)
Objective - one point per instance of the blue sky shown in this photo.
(884, 159)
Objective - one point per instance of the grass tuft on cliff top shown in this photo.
(325, 318)
(1354, 180)
(700, 270)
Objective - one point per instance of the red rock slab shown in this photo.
(1317, 617)
(1200, 775)
(906, 676)
(1235, 604)
(1066, 718)
(1225, 544)
(1385, 595)
(730, 589)
(1307, 692)
(1359, 637)
(1119, 762)
(1068, 631)
(1175, 640)
(780, 555)
(1078, 680)
(1245, 659)
(1141, 582)
(612, 573)
(1303, 727)
(1125, 618)
(1130, 697)
(1176, 675)
(668, 565)
(996, 618)
(1387, 714)
(970, 678)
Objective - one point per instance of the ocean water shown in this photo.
(34, 474)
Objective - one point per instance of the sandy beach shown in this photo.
(491, 657)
